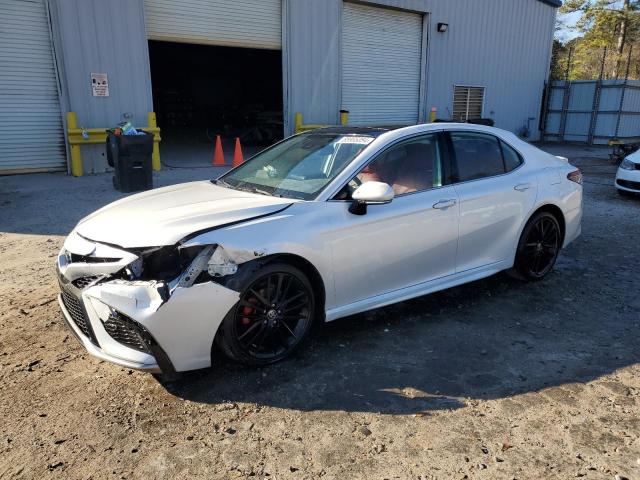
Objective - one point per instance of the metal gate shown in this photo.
(592, 111)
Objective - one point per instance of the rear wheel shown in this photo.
(538, 247)
(273, 316)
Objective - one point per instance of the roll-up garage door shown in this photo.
(381, 73)
(238, 23)
(31, 133)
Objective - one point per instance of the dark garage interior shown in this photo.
(200, 91)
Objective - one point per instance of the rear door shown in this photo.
(495, 196)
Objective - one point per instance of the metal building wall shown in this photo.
(311, 60)
(504, 45)
(94, 36)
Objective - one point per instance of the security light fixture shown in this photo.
(442, 27)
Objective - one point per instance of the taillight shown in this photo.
(575, 176)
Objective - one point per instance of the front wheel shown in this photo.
(273, 316)
(538, 247)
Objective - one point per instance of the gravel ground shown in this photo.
(495, 379)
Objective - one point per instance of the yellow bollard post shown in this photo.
(298, 122)
(155, 156)
(76, 156)
(433, 114)
(344, 117)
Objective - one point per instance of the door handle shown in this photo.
(444, 204)
(521, 187)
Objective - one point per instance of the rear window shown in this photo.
(512, 159)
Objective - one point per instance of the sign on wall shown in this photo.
(100, 84)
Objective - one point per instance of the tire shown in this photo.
(538, 247)
(274, 316)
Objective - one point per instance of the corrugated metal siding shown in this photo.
(577, 124)
(381, 76)
(610, 100)
(503, 45)
(31, 133)
(312, 61)
(239, 23)
(94, 39)
(581, 98)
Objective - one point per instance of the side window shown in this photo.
(477, 155)
(410, 166)
(512, 159)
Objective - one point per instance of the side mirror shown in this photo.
(370, 193)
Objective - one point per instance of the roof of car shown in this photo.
(354, 130)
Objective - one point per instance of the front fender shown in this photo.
(298, 231)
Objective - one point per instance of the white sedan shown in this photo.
(628, 175)
(322, 225)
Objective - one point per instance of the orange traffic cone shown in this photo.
(237, 154)
(218, 155)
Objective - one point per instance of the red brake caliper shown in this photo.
(248, 311)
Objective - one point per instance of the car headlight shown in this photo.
(165, 263)
(627, 164)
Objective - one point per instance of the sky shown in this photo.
(567, 20)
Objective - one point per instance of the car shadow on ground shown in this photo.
(489, 339)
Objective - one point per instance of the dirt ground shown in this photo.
(493, 380)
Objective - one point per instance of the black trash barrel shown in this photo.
(130, 156)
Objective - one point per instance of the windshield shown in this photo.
(298, 167)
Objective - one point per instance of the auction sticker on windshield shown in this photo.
(356, 140)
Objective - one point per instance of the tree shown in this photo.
(610, 24)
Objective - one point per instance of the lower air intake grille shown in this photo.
(84, 282)
(128, 332)
(76, 311)
(629, 184)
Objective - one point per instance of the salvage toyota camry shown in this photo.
(319, 226)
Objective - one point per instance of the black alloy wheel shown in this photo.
(539, 247)
(274, 314)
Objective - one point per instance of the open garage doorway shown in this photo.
(200, 91)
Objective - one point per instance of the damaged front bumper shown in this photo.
(94, 349)
(138, 324)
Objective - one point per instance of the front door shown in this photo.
(411, 240)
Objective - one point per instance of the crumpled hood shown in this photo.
(163, 216)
